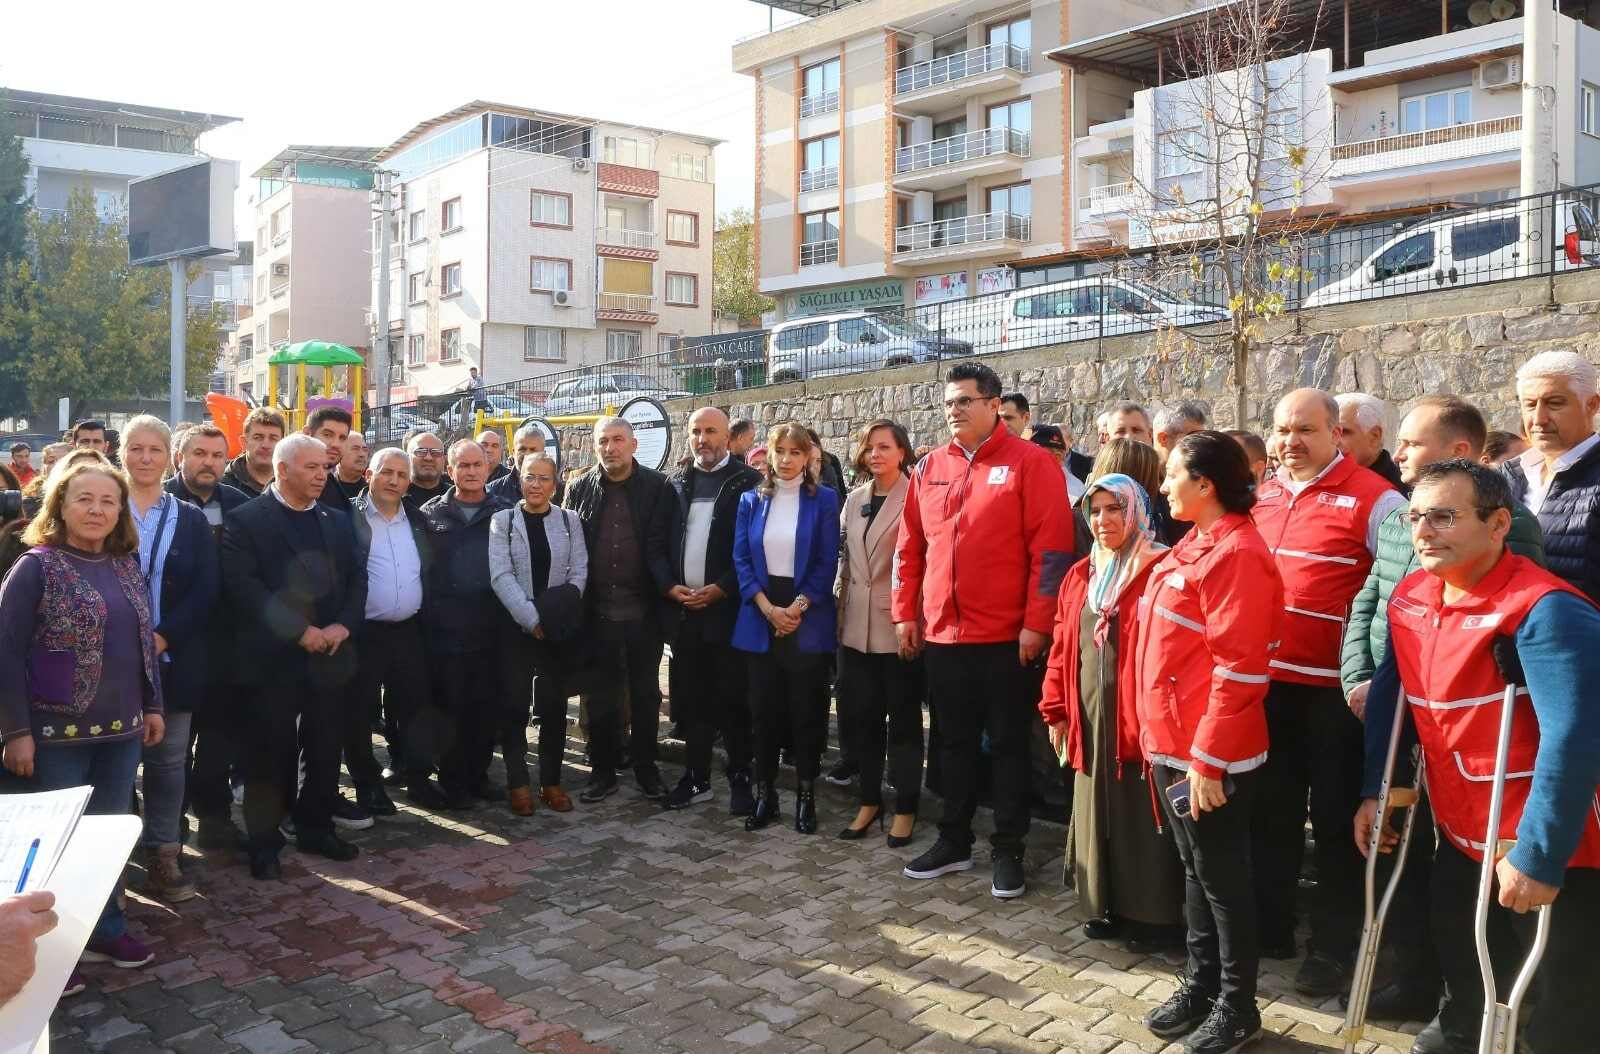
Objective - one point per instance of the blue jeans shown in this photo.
(109, 769)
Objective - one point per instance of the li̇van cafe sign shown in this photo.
(867, 295)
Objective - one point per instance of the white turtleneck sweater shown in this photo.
(783, 520)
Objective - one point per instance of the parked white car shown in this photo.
(495, 404)
(1484, 245)
(826, 345)
(594, 394)
(1085, 308)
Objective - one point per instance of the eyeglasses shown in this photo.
(1440, 519)
(961, 402)
(427, 452)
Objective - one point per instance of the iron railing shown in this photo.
(948, 69)
(624, 237)
(633, 303)
(969, 146)
(819, 252)
(821, 102)
(962, 230)
(819, 178)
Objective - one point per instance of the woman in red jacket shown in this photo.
(1123, 866)
(1209, 618)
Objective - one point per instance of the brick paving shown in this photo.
(620, 927)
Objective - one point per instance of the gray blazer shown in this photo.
(511, 574)
(866, 565)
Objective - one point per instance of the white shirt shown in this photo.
(1533, 467)
(783, 520)
(1075, 486)
(394, 569)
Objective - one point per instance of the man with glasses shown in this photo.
(1449, 627)
(428, 479)
(982, 550)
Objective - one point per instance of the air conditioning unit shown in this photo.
(280, 270)
(561, 298)
(580, 164)
(1500, 74)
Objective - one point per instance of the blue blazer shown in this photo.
(816, 561)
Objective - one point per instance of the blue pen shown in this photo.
(27, 865)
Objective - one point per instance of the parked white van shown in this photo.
(825, 345)
(1484, 245)
(1084, 308)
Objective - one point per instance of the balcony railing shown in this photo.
(634, 303)
(629, 238)
(962, 230)
(822, 102)
(819, 252)
(279, 290)
(1108, 197)
(985, 142)
(819, 178)
(1435, 144)
(280, 238)
(950, 68)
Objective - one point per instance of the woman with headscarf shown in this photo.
(1126, 870)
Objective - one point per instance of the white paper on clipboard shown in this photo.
(89, 869)
(48, 816)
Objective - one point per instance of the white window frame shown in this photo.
(416, 349)
(1178, 153)
(534, 266)
(417, 225)
(554, 210)
(626, 150)
(631, 337)
(530, 343)
(694, 289)
(445, 210)
(1451, 96)
(445, 286)
(692, 218)
(445, 352)
(1588, 108)
(417, 287)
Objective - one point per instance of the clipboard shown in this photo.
(90, 868)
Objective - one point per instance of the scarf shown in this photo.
(1112, 570)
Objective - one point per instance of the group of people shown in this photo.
(1210, 630)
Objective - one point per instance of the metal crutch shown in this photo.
(1499, 1032)
(1390, 798)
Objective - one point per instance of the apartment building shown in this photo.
(527, 243)
(913, 151)
(235, 373)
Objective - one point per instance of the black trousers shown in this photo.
(786, 698)
(1316, 746)
(535, 679)
(973, 689)
(1218, 899)
(631, 653)
(466, 691)
(708, 688)
(1568, 977)
(391, 668)
(886, 714)
(297, 715)
(220, 722)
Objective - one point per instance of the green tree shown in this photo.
(735, 293)
(85, 324)
(14, 209)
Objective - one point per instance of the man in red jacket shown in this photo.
(1319, 515)
(982, 551)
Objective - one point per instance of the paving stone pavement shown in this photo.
(621, 927)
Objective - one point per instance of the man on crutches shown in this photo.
(1443, 624)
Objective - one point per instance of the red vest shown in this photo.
(1319, 540)
(1455, 692)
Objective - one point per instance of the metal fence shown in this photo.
(1542, 235)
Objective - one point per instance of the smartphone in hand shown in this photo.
(1178, 793)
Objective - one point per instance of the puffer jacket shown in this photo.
(1570, 518)
(1366, 634)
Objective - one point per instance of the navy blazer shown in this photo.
(816, 560)
(190, 581)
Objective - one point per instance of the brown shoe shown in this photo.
(521, 800)
(165, 879)
(556, 798)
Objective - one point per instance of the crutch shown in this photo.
(1390, 798)
(1499, 1032)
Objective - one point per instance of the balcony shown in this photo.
(625, 307)
(612, 178)
(812, 253)
(1455, 143)
(961, 237)
(819, 179)
(933, 85)
(623, 243)
(950, 162)
(822, 102)
(1113, 198)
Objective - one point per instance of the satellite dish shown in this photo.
(1478, 14)
(1500, 10)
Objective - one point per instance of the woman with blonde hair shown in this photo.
(786, 551)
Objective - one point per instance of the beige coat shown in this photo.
(866, 562)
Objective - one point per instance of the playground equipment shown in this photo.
(651, 427)
(329, 356)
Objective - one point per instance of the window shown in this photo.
(858, 331)
(819, 237)
(683, 228)
(622, 150)
(1589, 108)
(1413, 254)
(820, 167)
(450, 216)
(1016, 115)
(1017, 33)
(279, 224)
(417, 225)
(547, 274)
(1421, 113)
(807, 336)
(550, 209)
(416, 349)
(1179, 153)
(449, 345)
(683, 289)
(1016, 200)
(953, 209)
(417, 288)
(450, 280)
(544, 344)
(690, 166)
(623, 344)
(261, 287)
(1480, 239)
(220, 290)
(820, 93)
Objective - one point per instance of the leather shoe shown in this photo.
(375, 800)
(556, 798)
(329, 845)
(521, 800)
(264, 866)
(1105, 928)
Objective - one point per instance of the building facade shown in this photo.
(526, 243)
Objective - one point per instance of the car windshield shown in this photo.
(903, 327)
(1153, 292)
(634, 382)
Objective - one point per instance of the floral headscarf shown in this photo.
(1113, 570)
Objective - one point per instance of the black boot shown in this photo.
(766, 809)
(805, 807)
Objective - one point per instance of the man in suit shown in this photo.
(292, 570)
(707, 675)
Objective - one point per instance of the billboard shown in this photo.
(182, 212)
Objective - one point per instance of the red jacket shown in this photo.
(1061, 703)
(1210, 615)
(1319, 538)
(983, 543)
(1455, 691)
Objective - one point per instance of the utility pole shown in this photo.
(381, 343)
(1538, 98)
(179, 351)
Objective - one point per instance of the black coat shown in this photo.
(190, 581)
(1570, 518)
(237, 476)
(1080, 465)
(718, 618)
(227, 495)
(460, 611)
(654, 506)
(201, 678)
(1384, 466)
(276, 593)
